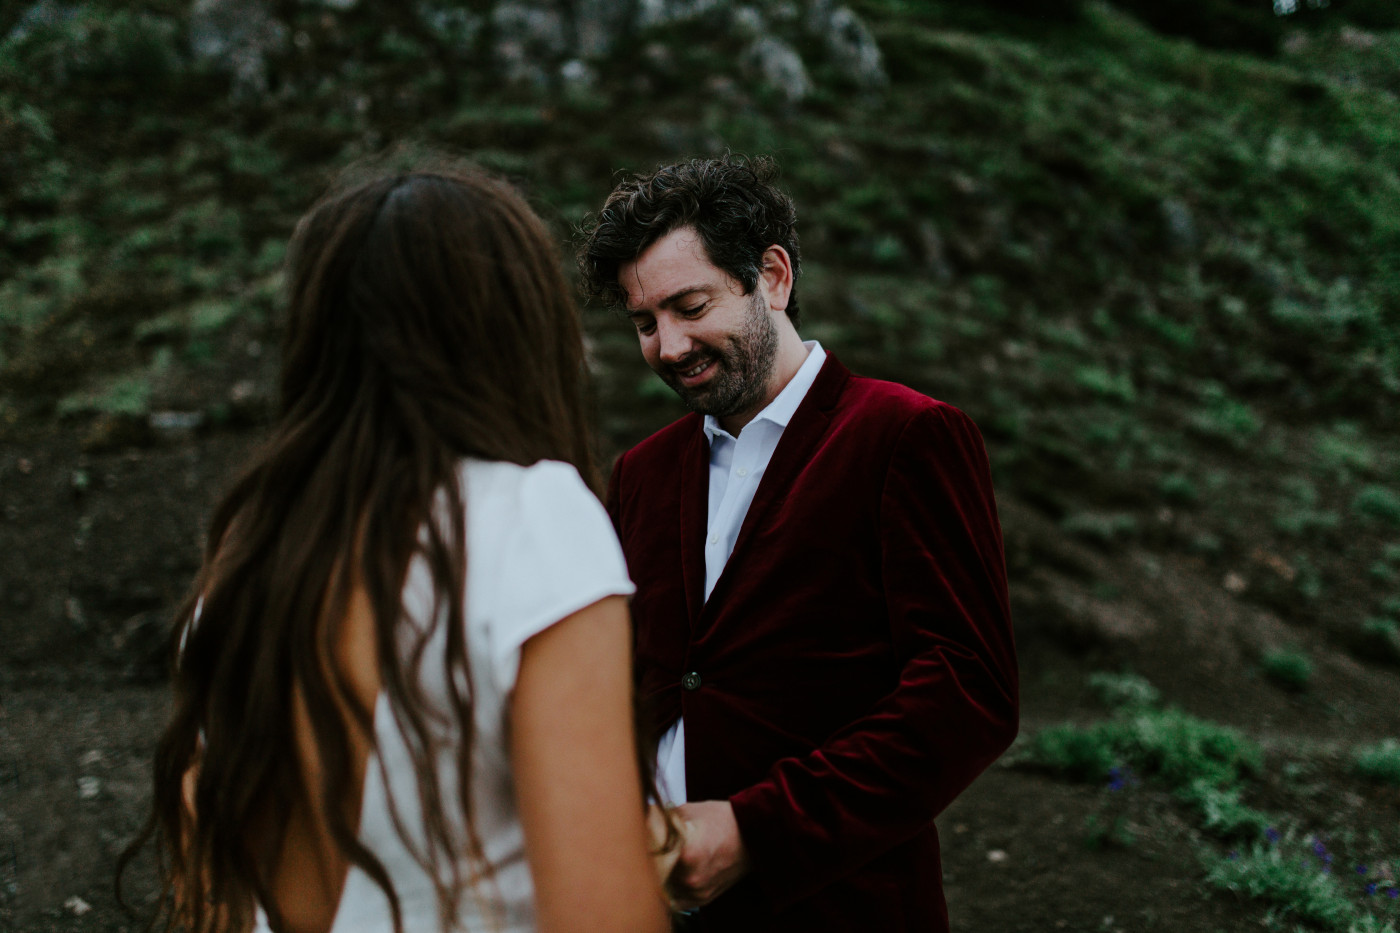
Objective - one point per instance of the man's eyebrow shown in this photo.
(671, 300)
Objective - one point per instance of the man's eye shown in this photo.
(692, 312)
(645, 327)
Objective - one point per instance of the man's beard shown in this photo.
(742, 367)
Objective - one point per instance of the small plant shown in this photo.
(1344, 451)
(1108, 826)
(1288, 668)
(1293, 876)
(1379, 762)
(1222, 811)
(128, 395)
(1077, 753)
(1167, 744)
(1123, 691)
(1224, 418)
(1378, 502)
(1178, 487)
(1100, 527)
(1380, 640)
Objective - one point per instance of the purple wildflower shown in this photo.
(1119, 778)
(1361, 869)
(1371, 888)
(1393, 893)
(1271, 834)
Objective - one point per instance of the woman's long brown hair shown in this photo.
(428, 321)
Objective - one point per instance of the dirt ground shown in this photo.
(95, 547)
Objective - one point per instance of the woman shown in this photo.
(402, 693)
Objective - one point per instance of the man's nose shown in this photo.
(674, 343)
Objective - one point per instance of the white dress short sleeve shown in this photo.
(539, 548)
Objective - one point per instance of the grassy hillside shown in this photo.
(1161, 278)
(1164, 280)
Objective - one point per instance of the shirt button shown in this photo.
(743, 472)
(691, 681)
(714, 539)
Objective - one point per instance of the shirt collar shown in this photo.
(781, 409)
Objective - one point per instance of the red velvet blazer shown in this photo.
(853, 669)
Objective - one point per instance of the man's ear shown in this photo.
(775, 277)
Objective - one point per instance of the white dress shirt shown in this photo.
(737, 465)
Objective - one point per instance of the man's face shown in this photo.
(698, 330)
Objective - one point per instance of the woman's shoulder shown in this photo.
(499, 486)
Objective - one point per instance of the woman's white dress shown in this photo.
(539, 548)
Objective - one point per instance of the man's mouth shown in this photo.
(696, 373)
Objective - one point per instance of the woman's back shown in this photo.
(542, 549)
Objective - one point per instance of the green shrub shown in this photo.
(1224, 418)
(1379, 502)
(1105, 383)
(1123, 691)
(1291, 877)
(1100, 527)
(1081, 754)
(1297, 522)
(1379, 762)
(1173, 746)
(1178, 487)
(1345, 449)
(1380, 640)
(1288, 668)
(1222, 811)
(128, 395)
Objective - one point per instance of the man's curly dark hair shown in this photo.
(730, 202)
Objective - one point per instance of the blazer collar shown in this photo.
(800, 437)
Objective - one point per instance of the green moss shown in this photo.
(1288, 668)
(1379, 762)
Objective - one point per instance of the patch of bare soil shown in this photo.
(95, 548)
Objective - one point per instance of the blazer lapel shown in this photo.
(800, 437)
(695, 502)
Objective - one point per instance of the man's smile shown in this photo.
(696, 373)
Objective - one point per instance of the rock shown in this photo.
(661, 12)
(42, 15)
(934, 254)
(1180, 224)
(529, 38)
(748, 23)
(601, 25)
(454, 27)
(577, 76)
(175, 425)
(777, 64)
(854, 50)
(235, 37)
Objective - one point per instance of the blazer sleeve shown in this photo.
(883, 778)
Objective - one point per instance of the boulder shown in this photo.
(236, 37)
(529, 38)
(849, 42)
(778, 65)
(456, 28)
(42, 15)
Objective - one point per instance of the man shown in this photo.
(823, 644)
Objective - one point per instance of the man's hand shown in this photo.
(712, 855)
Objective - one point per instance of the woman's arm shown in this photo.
(576, 777)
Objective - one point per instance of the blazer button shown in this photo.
(691, 681)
